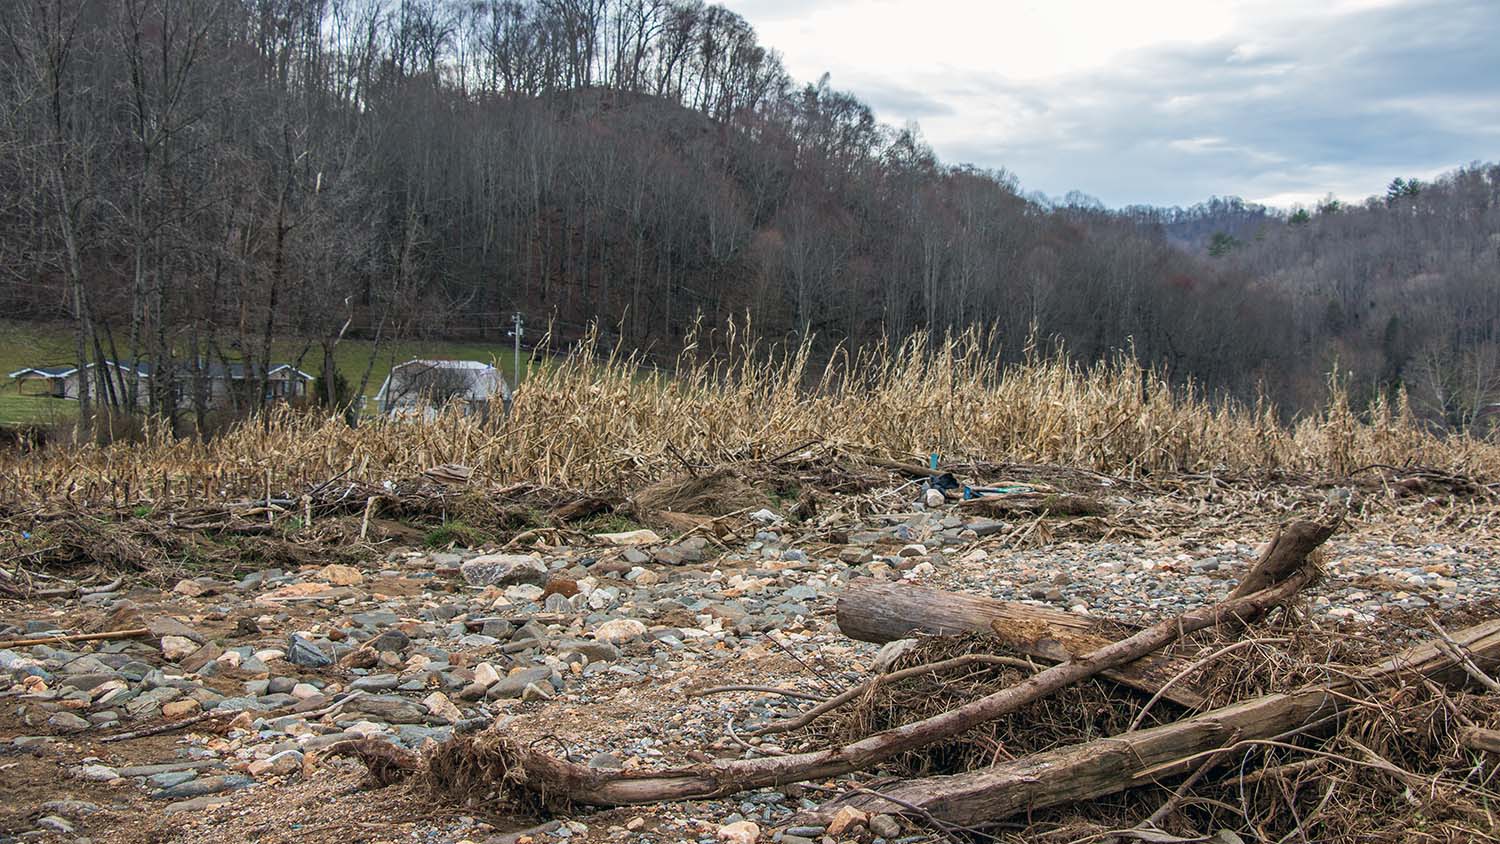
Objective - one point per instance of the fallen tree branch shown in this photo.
(77, 589)
(78, 637)
(831, 704)
(1287, 552)
(770, 690)
(1478, 738)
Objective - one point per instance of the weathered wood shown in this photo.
(1097, 768)
(1478, 738)
(873, 611)
(1285, 554)
(77, 637)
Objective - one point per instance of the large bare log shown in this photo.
(568, 782)
(1097, 768)
(874, 611)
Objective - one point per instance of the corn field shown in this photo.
(587, 423)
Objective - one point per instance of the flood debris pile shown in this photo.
(813, 647)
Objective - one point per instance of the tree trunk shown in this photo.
(1106, 766)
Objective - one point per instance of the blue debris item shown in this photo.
(971, 492)
(940, 482)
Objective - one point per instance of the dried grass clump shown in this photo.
(715, 493)
(485, 770)
(588, 424)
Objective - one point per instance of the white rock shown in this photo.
(934, 498)
(486, 675)
(504, 570)
(303, 691)
(739, 832)
(523, 592)
(283, 763)
(619, 630)
(765, 517)
(367, 728)
(96, 773)
(177, 647)
(439, 706)
(631, 537)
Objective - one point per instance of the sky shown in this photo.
(1167, 102)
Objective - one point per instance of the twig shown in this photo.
(835, 702)
(1141, 716)
(205, 716)
(729, 728)
(1461, 656)
(164, 728)
(817, 675)
(78, 637)
(364, 523)
(718, 690)
(672, 450)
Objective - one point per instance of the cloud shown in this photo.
(888, 97)
(1275, 101)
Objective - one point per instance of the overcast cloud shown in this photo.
(1167, 101)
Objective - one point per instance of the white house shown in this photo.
(420, 387)
(284, 381)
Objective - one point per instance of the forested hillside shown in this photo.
(190, 180)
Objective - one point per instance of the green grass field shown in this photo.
(32, 344)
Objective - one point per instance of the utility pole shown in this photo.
(519, 322)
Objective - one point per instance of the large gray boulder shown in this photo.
(504, 570)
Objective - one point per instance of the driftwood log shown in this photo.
(874, 611)
(1106, 766)
(561, 782)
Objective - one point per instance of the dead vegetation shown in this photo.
(604, 425)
